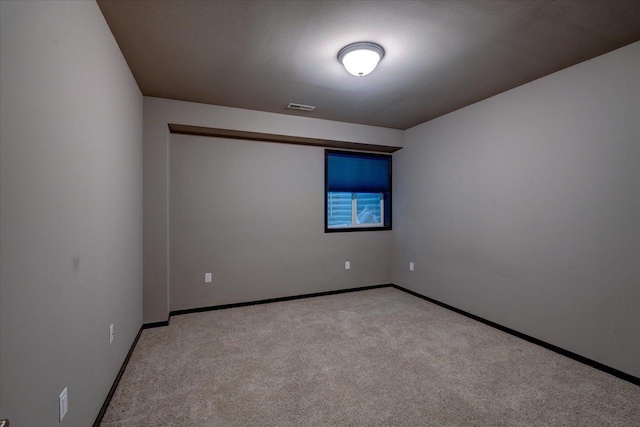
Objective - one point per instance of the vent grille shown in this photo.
(300, 107)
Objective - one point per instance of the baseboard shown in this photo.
(600, 366)
(105, 405)
(155, 324)
(268, 301)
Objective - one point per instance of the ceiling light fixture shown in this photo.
(360, 58)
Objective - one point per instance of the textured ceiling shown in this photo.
(440, 55)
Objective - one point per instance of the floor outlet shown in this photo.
(64, 403)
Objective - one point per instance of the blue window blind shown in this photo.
(358, 172)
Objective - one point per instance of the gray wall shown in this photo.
(252, 214)
(157, 113)
(525, 209)
(70, 209)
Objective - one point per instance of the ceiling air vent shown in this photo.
(300, 107)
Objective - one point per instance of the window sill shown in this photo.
(350, 229)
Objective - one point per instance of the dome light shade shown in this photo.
(361, 58)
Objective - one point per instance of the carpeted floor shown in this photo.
(377, 357)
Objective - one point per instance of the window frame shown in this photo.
(358, 227)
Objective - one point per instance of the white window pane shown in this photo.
(368, 207)
(339, 209)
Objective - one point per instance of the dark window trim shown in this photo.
(357, 229)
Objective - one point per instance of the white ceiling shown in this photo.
(440, 55)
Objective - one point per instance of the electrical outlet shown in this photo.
(64, 403)
(347, 265)
(111, 333)
(207, 277)
(411, 267)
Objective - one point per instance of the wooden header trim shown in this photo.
(284, 139)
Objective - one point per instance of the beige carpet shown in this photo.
(377, 357)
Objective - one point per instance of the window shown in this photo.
(357, 191)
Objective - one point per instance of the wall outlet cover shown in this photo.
(207, 277)
(111, 333)
(347, 265)
(64, 403)
(411, 266)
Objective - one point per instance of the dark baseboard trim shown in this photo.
(105, 405)
(602, 367)
(268, 301)
(155, 324)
